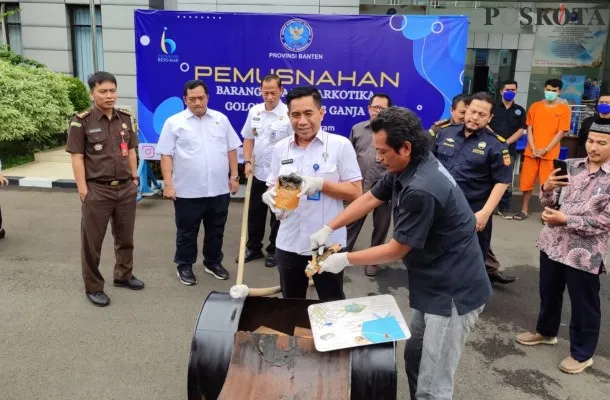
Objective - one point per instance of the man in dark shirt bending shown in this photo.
(435, 235)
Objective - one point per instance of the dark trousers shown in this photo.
(190, 214)
(294, 282)
(382, 216)
(0, 218)
(485, 235)
(257, 219)
(103, 203)
(504, 204)
(583, 288)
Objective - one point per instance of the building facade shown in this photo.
(504, 37)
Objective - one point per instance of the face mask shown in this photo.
(550, 96)
(508, 95)
(603, 108)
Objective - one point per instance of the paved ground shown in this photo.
(55, 345)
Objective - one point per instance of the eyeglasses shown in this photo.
(377, 108)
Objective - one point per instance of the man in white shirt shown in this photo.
(328, 166)
(198, 147)
(267, 123)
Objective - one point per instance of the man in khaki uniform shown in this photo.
(102, 143)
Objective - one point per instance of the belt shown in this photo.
(109, 183)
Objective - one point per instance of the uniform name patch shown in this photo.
(96, 130)
(288, 161)
(477, 151)
(448, 144)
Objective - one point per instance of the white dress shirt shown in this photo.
(340, 165)
(266, 128)
(199, 148)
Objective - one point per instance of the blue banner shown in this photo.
(417, 60)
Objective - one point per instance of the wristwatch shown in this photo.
(234, 178)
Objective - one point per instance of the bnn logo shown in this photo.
(544, 16)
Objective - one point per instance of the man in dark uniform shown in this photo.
(459, 104)
(509, 122)
(434, 234)
(479, 161)
(102, 143)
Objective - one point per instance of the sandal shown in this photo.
(520, 216)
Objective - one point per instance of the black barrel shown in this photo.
(373, 369)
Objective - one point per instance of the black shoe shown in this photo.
(132, 283)
(251, 255)
(270, 261)
(218, 271)
(499, 277)
(2, 233)
(186, 275)
(99, 299)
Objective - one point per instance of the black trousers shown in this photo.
(190, 214)
(294, 282)
(257, 219)
(0, 218)
(382, 217)
(485, 235)
(583, 288)
(504, 204)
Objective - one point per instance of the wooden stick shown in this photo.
(244, 232)
(254, 292)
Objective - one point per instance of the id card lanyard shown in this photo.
(124, 149)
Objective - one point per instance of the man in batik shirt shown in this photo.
(573, 246)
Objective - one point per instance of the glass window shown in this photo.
(82, 45)
(12, 27)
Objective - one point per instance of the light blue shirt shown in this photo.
(199, 149)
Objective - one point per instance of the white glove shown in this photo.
(311, 185)
(335, 263)
(318, 240)
(269, 199)
(239, 291)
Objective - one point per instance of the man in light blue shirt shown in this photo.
(198, 148)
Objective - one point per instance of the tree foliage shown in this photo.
(77, 91)
(34, 102)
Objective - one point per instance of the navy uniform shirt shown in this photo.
(506, 121)
(431, 214)
(477, 163)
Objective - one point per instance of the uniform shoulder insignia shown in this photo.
(124, 111)
(445, 122)
(500, 138)
(83, 114)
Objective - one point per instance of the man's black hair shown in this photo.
(460, 97)
(555, 83)
(509, 82)
(270, 78)
(100, 77)
(194, 84)
(304, 91)
(484, 96)
(381, 96)
(403, 125)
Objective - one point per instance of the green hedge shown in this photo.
(78, 94)
(34, 102)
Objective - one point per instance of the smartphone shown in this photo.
(562, 165)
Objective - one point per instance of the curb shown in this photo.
(44, 183)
